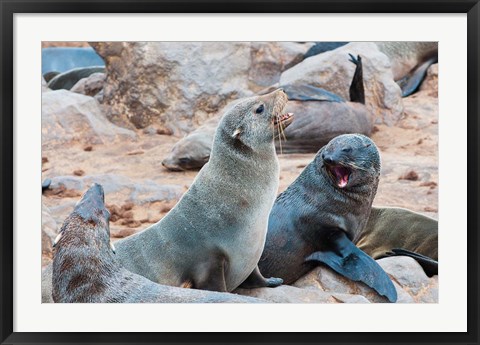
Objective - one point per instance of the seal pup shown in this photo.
(320, 215)
(86, 270)
(214, 236)
(393, 231)
(320, 116)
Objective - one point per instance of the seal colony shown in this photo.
(213, 238)
(319, 216)
(86, 270)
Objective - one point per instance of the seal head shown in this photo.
(351, 161)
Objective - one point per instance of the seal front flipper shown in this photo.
(256, 280)
(210, 274)
(310, 93)
(429, 265)
(345, 258)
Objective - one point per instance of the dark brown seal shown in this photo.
(321, 214)
(86, 270)
(214, 236)
(393, 231)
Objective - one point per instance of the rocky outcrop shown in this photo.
(270, 59)
(180, 84)
(333, 71)
(68, 117)
(171, 83)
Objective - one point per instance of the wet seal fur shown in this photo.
(394, 231)
(321, 214)
(86, 270)
(213, 238)
(320, 116)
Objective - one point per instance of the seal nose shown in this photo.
(91, 203)
(94, 193)
(328, 159)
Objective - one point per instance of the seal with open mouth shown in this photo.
(86, 270)
(320, 215)
(213, 238)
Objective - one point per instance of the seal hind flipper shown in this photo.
(310, 93)
(256, 280)
(412, 81)
(429, 265)
(357, 90)
(345, 258)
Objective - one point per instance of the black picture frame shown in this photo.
(10, 7)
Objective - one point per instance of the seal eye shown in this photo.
(347, 149)
(260, 109)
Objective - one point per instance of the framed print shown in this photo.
(239, 172)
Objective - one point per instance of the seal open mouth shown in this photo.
(285, 119)
(340, 173)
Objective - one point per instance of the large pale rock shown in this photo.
(91, 85)
(172, 82)
(324, 279)
(68, 117)
(409, 279)
(406, 272)
(333, 71)
(118, 187)
(291, 294)
(179, 85)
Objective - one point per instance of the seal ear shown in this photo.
(112, 247)
(59, 236)
(236, 133)
(345, 258)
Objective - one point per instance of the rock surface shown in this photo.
(182, 84)
(323, 285)
(270, 59)
(91, 85)
(170, 82)
(333, 71)
(70, 117)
